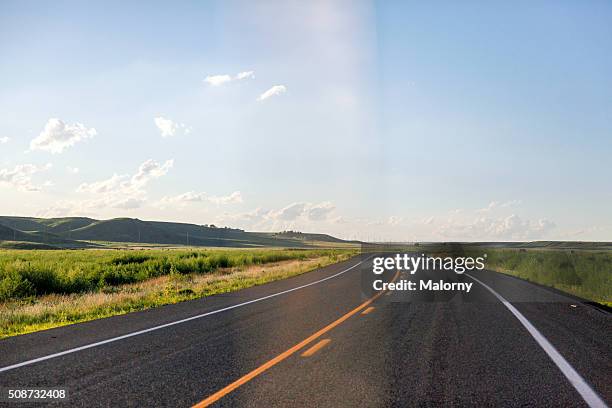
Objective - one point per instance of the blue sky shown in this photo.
(373, 120)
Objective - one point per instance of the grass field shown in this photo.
(583, 269)
(43, 289)
(586, 274)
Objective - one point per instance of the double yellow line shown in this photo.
(248, 377)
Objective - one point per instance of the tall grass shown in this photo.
(30, 273)
(21, 316)
(587, 274)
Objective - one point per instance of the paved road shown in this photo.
(331, 343)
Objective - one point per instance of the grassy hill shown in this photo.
(71, 232)
(308, 237)
(42, 237)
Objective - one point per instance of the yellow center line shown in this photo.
(368, 310)
(248, 377)
(316, 348)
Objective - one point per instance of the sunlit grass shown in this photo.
(25, 273)
(75, 286)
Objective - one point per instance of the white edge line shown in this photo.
(584, 389)
(125, 336)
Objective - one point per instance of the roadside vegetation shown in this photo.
(44, 289)
(586, 274)
(582, 269)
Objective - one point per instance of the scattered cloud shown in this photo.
(245, 75)
(218, 80)
(20, 177)
(193, 197)
(493, 205)
(275, 90)
(188, 197)
(151, 169)
(102, 187)
(299, 211)
(511, 227)
(288, 213)
(169, 128)
(319, 212)
(123, 191)
(235, 197)
(57, 136)
(72, 170)
(4, 139)
(298, 215)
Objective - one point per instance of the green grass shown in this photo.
(583, 269)
(45, 289)
(30, 273)
(586, 274)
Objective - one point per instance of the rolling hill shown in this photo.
(75, 232)
(42, 237)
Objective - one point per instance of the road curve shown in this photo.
(326, 338)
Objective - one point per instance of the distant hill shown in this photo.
(61, 225)
(80, 231)
(42, 237)
(303, 236)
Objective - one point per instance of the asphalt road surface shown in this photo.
(327, 339)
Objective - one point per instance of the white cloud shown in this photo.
(288, 213)
(20, 177)
(245, 75)
(123, 191)
(188, 197)
(73, 170)
(192, 196)
(169, 128)
(319, 212)
(302, 211)
(275, 90)
(151, 169)
(4, 139)
(235, 197)
(102, 187)
(218, 80)
(57, 136)
(511, 227)
(493, 205)
(295, 216)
